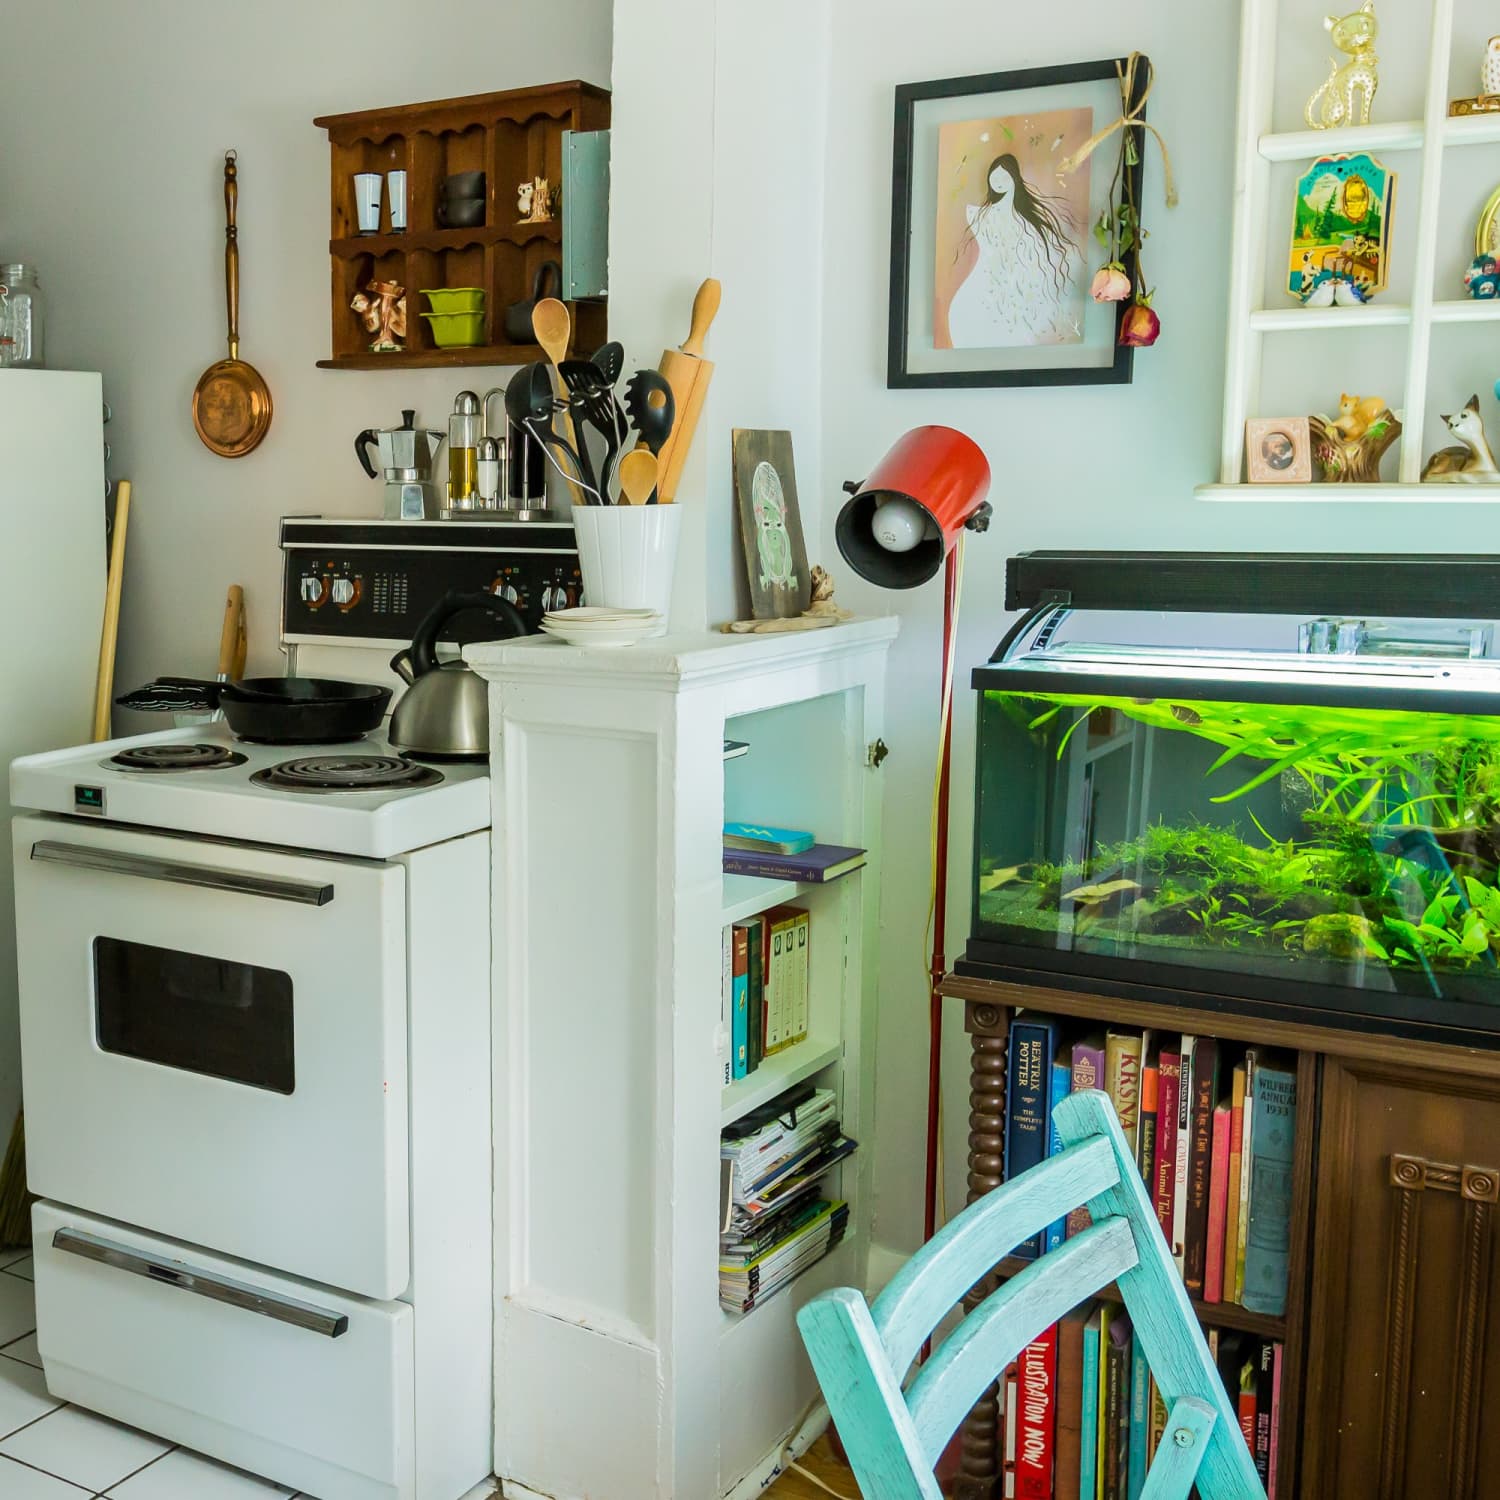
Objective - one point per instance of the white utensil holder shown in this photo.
(628, 554)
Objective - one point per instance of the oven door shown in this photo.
(213, 1043)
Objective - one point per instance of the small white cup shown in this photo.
(396, 197)
(367, 201)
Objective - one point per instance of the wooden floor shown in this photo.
(819, 1460)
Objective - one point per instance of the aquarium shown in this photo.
(1296, 810)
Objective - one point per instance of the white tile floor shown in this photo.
(50, 1450)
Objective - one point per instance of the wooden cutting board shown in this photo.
(689, 374)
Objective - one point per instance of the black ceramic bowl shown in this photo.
(461, 213)
(464, 185)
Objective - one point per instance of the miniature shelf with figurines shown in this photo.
(1404, 282)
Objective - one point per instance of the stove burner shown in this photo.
(173, 757)
(347, 773)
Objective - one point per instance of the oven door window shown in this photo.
(203, 1015)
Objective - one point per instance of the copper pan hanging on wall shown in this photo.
(231, 402)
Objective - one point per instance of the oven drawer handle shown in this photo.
(202, 1283)
(113, 862)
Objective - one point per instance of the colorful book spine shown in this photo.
(1246, 1131)
(1265, 1371)
(1115, 1424)
(1032, 1043)
(740, 1039)
(1140, 1421)
(1275, 1420)
(1200, 1167)
(1088, 1073)
(1268, 1242)
(1233, 1199)
(1184, 1154)
(1218, 1206)
(1012, 1435)
(1145, 1145)
(1122, 1081)
(1169, 1068)
(1088, 1425)
(1158, 1426)
(801, 976)
(755, 1026)
(726, 1006)
(1067, 1464)
(1062, 1086)
(781, 923)
(1245, 1404)
(1036, 1387)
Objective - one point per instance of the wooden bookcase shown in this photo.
(1392, 1354)
(617, 1373)
(512, 137)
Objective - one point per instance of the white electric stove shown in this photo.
(255, 1025)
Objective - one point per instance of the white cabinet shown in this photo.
(617, 1375)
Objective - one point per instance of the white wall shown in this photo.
(116, 119)
(1102, 467)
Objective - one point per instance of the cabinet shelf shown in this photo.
(419, 359)
(1350, 494)
(445, 239)
(777, 1073)
(1291, 319)
(1304, 145)
(747, 895)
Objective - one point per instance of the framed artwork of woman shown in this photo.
(991, 245)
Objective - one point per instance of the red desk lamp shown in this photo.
(896, 530)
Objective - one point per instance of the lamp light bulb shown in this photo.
(899, 525)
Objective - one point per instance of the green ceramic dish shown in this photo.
(456, 330)
(456, 299)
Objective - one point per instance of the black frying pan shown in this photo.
(273, 710)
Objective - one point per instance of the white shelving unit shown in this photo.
(1261, 223)
(618, 1377)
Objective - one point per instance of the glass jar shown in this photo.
(20, 317)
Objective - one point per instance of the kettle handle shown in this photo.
(362, 450)
(424, 643)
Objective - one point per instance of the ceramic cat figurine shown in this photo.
(1470, 463)
(1333, 104)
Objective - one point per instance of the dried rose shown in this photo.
(1111, 284)
(1140, 327)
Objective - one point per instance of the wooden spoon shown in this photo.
(638, 474)
(553, 326)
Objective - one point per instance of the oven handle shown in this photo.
(202, 1283)
(147, 867)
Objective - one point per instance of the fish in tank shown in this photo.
(1355, 848)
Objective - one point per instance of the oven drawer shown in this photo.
(310, 1387)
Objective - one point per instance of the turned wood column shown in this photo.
(988, 1027)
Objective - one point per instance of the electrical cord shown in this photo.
(812, 1478)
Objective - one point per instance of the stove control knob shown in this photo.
(503, 588)
(342, 592)
(314, 590)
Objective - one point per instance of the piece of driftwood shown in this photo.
(1343, 460)
(820, 613)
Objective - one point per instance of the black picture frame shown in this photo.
(908, 96)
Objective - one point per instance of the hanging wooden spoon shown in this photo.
(639, 471)
(553, 326)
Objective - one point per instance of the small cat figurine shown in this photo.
(1333, 103)
(1470, 463)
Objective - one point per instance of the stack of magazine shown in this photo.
(776, 1220)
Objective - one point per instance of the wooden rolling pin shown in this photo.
(104, 683)
(689, 374)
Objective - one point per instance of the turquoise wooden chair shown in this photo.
(893, 1436)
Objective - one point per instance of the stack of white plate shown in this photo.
(591, 626)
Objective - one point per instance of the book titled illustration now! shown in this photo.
(816, 866)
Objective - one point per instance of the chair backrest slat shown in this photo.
(935, 1279)
(1007, 1320)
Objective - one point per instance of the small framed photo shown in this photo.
(1278, 450)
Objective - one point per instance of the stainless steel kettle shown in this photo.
(444, 712)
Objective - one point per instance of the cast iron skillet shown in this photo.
(274, 710)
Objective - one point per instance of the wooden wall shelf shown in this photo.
(510, 136)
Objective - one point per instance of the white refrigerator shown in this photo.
(52, 572)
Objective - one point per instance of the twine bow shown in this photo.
(1130, 119)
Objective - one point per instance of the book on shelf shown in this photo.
(1036, 1388)
(1068, 1419)
(1012, 1434)
(1033, 1041)
(726, 1007)
(1276, 1355)
(756, 1025)
(776, 1217)
(1093, 1361)
(815, 866)
(1265, 1369)
(765, 839)
(734, 749)
(770, 985)
(741, 981)
(1206, 1157)
(1122, 1080)
(1114, 1404)
(1145, 1145)
(1268, 1237)
(1140, 1422)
